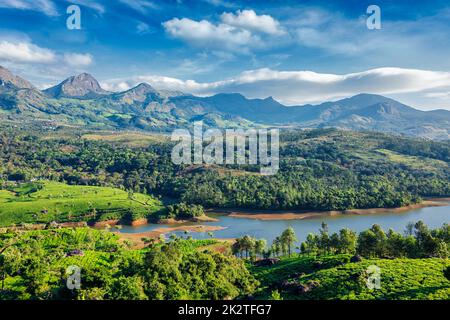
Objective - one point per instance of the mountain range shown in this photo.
(81, 101)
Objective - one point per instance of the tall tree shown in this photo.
(288, 238)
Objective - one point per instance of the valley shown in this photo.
(87, 179)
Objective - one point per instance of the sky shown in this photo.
(297, 52)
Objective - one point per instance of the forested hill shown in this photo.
(319, 169)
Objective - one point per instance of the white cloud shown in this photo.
(239, 32)
(90, 4)
(45, 6)
(37, 64)
(25, 52)
(249, 20)
(78, 59)
(140, 5)
(206, 34)
(301, 87)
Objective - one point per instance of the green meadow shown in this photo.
(42, 202)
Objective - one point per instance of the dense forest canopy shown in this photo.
(323, 169)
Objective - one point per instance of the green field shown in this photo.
(337, 278)
(130, 139)
(46, 201)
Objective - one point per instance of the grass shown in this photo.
(129, 139)
(401, 279)
(47, 201)
(413, 162)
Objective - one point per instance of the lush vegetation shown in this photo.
(184, 211)
(418, 241)
(412, 266)
(47, 201)
(34, 264)
(65, 176)
(319, 169)
(335, 277)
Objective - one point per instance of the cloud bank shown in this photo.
(301, 87)
(25, 52)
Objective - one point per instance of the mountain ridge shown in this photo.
(81, 99)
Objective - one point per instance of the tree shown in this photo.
(395, 244)
(170, 272)
(276, 246)
(288, 238)
(324, 239)
(304, 248)
(312, 243)
(248, 245)
(380, 247)
(367, 243)
(237, 248)
(260, 245)
(426, 243)
(442, 250)
(127, 288)
(347, 241)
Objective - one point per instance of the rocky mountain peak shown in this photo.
(9, 79)
(83, 85)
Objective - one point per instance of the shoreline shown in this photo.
(258, 214)
(145, 221)
(137, 238)
(267, 215)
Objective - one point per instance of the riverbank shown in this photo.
(138, 240)
(145, 221)
(268, 215)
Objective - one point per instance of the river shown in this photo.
(269, 229)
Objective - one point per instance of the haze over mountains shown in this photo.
(80, 100)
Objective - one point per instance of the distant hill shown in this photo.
(80, 100)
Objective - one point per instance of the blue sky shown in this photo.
(296, 51)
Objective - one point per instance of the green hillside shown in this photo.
(337, 278)
(33, 265)
(46, 201)
(323, 169)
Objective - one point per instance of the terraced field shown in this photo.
(337, 278)
(46, 201)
